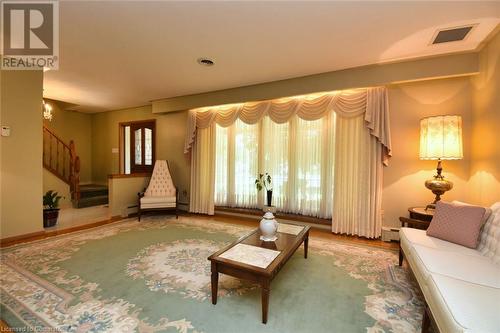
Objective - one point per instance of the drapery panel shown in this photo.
(358, 180)
(350, 103)
(361, 146)
(203, 172)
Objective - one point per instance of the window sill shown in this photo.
(286, 216)
(129, 175)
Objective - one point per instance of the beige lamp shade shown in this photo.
(441, 138)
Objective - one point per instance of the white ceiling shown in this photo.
(122, 54)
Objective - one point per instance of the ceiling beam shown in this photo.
(367, 76)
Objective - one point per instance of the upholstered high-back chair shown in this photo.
(161, 193)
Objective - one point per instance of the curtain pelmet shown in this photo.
(373, 102)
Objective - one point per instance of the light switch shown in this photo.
(5, 130)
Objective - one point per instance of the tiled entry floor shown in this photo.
(72, 217)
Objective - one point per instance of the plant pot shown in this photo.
(50, 217)
(269, 197)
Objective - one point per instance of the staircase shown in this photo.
(61, 160)
(92, 195)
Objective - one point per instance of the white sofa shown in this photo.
(461, 286)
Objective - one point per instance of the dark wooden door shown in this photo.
(142, 147)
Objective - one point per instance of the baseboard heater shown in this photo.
(390, 234)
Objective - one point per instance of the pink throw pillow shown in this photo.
(459, 224)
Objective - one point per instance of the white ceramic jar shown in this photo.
(268, 228)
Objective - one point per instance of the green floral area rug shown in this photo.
(154, 276)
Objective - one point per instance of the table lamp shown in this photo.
(440, 139)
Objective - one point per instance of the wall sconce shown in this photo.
(47, 111)
(440, 139)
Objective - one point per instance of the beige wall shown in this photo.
(365, 76)
(403, 179)
(476, 177)
(405, 176)
(485, 146)
(51, 182)
(123, 194)
(21, 153)
(170, 131)
(76, 126)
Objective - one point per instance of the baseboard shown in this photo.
(18, 238)
(44, 234)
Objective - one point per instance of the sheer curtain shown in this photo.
(236, 165)
(275, 151)
(312, 167)
(221, 166)
(297, 154)
(245, 156)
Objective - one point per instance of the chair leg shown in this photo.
(400, 256)
(176, 213)
(139, 214)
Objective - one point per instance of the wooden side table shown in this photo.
(420, 218)
(420, 213)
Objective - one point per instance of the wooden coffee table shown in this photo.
(286, 244)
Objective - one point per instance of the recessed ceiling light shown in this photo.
(206, 62)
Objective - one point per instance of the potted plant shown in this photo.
(50, 208)
(264, 181)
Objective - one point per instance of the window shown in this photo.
(236, 165)
(137, 146)
(297, 154)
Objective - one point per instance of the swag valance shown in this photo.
(373, 102)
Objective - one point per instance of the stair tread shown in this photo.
(94, 197)
(92, 201)
(92, 188)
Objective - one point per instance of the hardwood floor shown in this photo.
(4, 327)
(315, 232)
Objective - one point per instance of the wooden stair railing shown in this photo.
(61, 160)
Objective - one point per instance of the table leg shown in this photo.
(265, 301)
(306, 245)
(426, 321)
(215, 283)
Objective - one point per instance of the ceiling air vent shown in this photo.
(452, 35)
